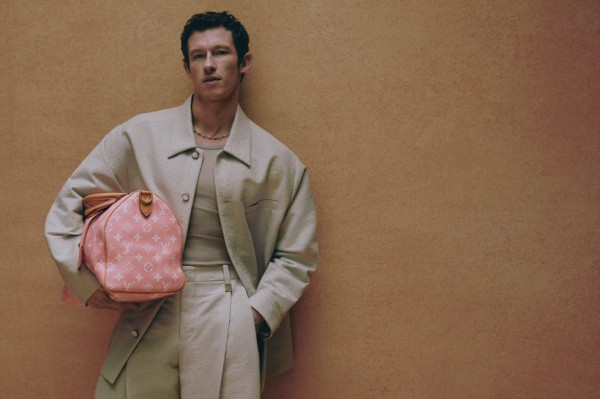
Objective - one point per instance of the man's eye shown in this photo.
(196, 56)
(220, 52)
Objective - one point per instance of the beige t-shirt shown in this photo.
(205, 245)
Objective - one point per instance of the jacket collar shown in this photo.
(239, 143)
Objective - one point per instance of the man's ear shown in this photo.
(246, 63)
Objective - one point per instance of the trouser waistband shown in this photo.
(224, 273)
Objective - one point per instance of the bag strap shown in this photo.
(98, 203)
(86, 226)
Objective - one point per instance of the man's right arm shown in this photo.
(103, 170)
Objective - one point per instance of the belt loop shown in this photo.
(226, 278)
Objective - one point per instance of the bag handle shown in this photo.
(86, 226)
(98, 203)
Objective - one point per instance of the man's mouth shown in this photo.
(211, 79)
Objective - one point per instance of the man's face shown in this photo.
(213, 65)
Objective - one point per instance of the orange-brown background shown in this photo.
(454, 152)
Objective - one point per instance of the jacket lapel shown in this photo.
(239, 143)
(181, 137)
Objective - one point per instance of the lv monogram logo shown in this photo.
(164, 209)
(127, 245)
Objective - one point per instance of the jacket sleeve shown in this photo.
(295, 257)
(103, 170)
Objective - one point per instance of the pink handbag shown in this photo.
(133, 244)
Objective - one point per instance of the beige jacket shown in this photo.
(265, 205)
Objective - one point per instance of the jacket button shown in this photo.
(134, 333)
(185, 197)
(195, 155)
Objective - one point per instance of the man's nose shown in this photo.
(209, 63)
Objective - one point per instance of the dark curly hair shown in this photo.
(210, 20)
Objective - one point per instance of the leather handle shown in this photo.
(97, 203)
(146, 203)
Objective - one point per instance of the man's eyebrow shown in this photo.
(222, 46)
(216, 46)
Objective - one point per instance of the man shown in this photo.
(244, 203)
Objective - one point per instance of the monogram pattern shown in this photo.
(136, 258)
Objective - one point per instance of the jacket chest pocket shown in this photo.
(261, 204)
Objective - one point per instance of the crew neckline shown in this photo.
(210, 148)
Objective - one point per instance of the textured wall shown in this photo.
(454, 152)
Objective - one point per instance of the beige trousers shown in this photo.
(211, 354)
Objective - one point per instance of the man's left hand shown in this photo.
(258, 319)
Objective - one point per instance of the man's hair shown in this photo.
(210, 20)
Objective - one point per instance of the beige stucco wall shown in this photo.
(454, 152)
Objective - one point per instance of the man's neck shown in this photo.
(213, 118)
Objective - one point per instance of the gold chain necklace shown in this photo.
(199, 133)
